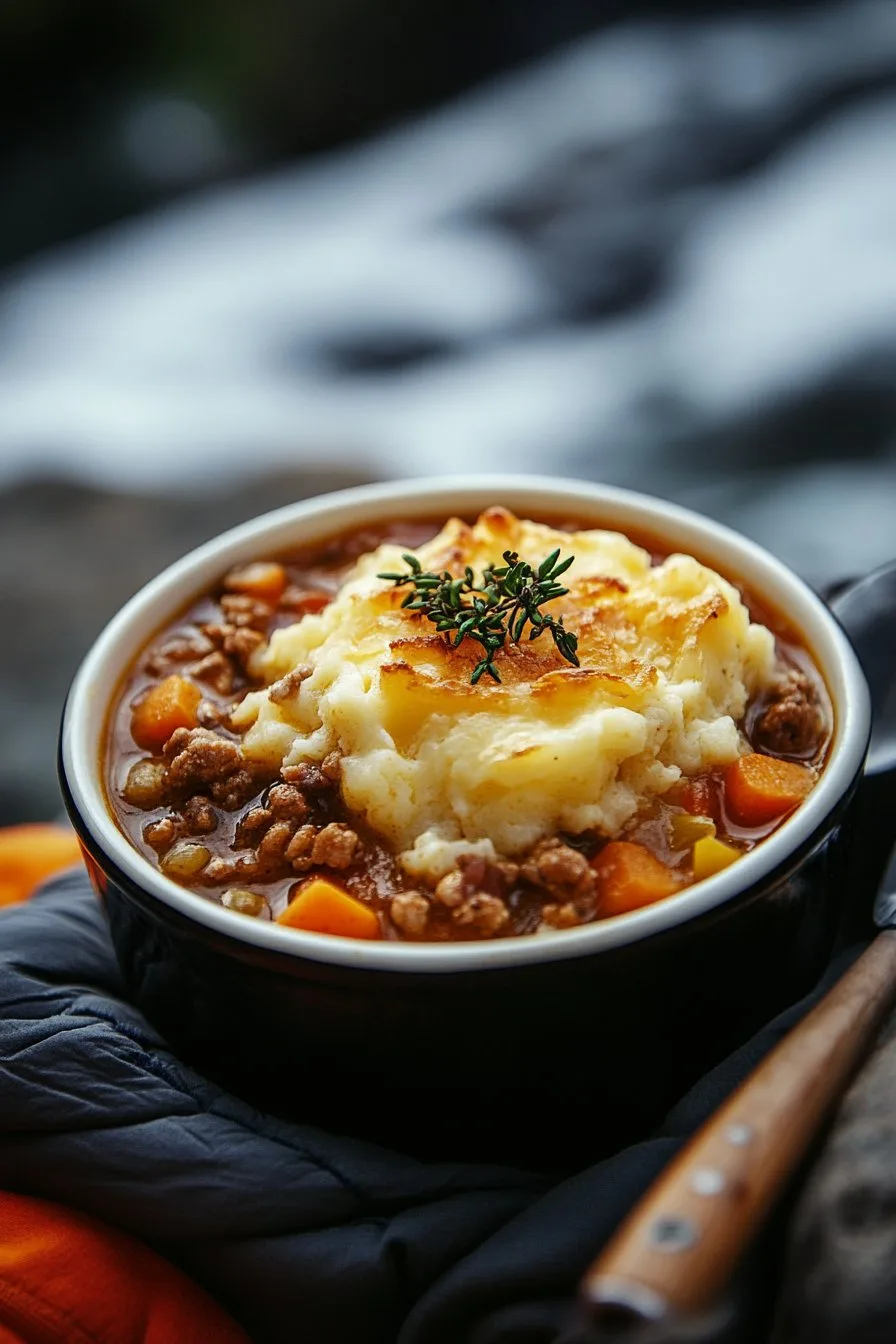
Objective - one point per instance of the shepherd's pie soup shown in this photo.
(492, 728)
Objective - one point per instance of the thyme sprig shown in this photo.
(492, 609)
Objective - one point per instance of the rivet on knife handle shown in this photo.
(676, 1250)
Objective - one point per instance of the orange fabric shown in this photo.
(31, 853)
(66, 1279)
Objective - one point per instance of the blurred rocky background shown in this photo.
(252, 252)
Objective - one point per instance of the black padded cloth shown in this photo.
(301, 1234)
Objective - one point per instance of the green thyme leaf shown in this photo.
(492, 610)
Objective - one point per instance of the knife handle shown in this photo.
(677, 1248)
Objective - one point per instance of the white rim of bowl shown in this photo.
(327, 515)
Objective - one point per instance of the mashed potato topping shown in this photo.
(439, 767)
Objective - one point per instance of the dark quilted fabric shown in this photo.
(301, 1234)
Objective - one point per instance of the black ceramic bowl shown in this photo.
(543, 1050)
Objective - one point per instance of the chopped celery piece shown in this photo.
(685, 830)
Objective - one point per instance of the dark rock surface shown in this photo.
(70, 555)
(840, 1283)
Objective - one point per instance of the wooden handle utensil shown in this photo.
(676, 1250)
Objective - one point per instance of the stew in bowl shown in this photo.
(458, 729)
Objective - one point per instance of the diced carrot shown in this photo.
(759, 789)
(314, 602)
(29, 854)
(711, 856)
(264, 579)
(629, 876)
(322, 907)
(306, 601)
(695, 795)
(168, 705)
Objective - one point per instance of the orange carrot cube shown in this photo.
(629, 877)
(759, 789)
(168, 705)
(322, 907)
(264, 579)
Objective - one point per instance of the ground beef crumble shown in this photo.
(288, 686)
(450, 889)
(215, 670)
(476, 892)
(561, 871)
(211, 715)
(286, 800)
(242, 610)
(198, 758)
(565, 916)
(199, 817)
(234, 790)
(272, 847)
(335, 846)
(793, 723)
(409, 911)
(331, 767)
(299, 850)
(160, 835)
(487, 914)
(252, 826)
(219, 870)
(177, 651)
(310, 778)
(216, 632)
(241, 643)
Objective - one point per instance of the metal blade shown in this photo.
(885, 901)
